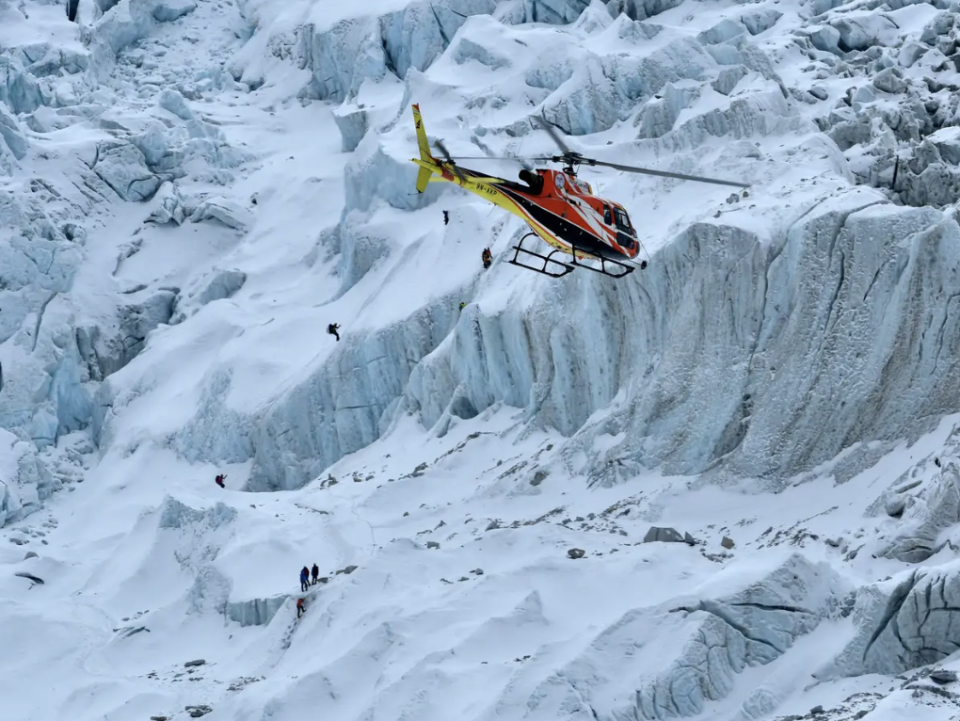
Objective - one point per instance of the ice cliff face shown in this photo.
(758, 404)
(57, 341)
(727, 348)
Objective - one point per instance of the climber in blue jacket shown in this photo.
(304, 578)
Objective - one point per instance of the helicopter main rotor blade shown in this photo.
(666, 174)
(519, 158)
(552, 132)
(443, 149)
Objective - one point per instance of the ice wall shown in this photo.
(769, 352)
(771, 357)
(344, 405)
(375, 47)
(70, 148)
(901, 624)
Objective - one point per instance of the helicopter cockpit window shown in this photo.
(623, 221)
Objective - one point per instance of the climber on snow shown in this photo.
(332, 330)
(462, 306)
(315, 572)
(300, 608)
(446, 217)
(304, 578)
(220, 479)
(487, 257)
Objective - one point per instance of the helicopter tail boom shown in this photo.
(428, 161)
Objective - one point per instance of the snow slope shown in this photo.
(191, 190)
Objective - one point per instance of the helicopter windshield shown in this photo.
(623, 222)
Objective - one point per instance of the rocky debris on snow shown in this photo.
(159, 718)
(727, 543)
(198, 711)
(30, 554)
(197, 662)
(242, 682)
(347, 570)
(433, 544)
(539, 477)
(128, 631)
(576, 553)
(666, 535)
(853, 708)
(29, 577)
(943, 676)
(902, 624)
(328, 481)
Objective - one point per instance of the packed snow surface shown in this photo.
(725, 487)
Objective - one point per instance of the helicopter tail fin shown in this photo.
(423, 177)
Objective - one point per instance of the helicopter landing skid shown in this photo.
(549, 262)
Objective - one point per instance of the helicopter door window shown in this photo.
(607, 218)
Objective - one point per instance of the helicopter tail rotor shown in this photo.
(448, 158)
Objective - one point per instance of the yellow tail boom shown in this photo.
(426, 173)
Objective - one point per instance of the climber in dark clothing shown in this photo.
(300, 608)
(446, 217)
(332, 330)
(220, 480)
(462, 306)
(315, 573)
(487, 257)
(304, 579)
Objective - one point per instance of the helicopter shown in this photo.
(559, 208)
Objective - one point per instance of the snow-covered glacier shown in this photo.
(192, 190)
